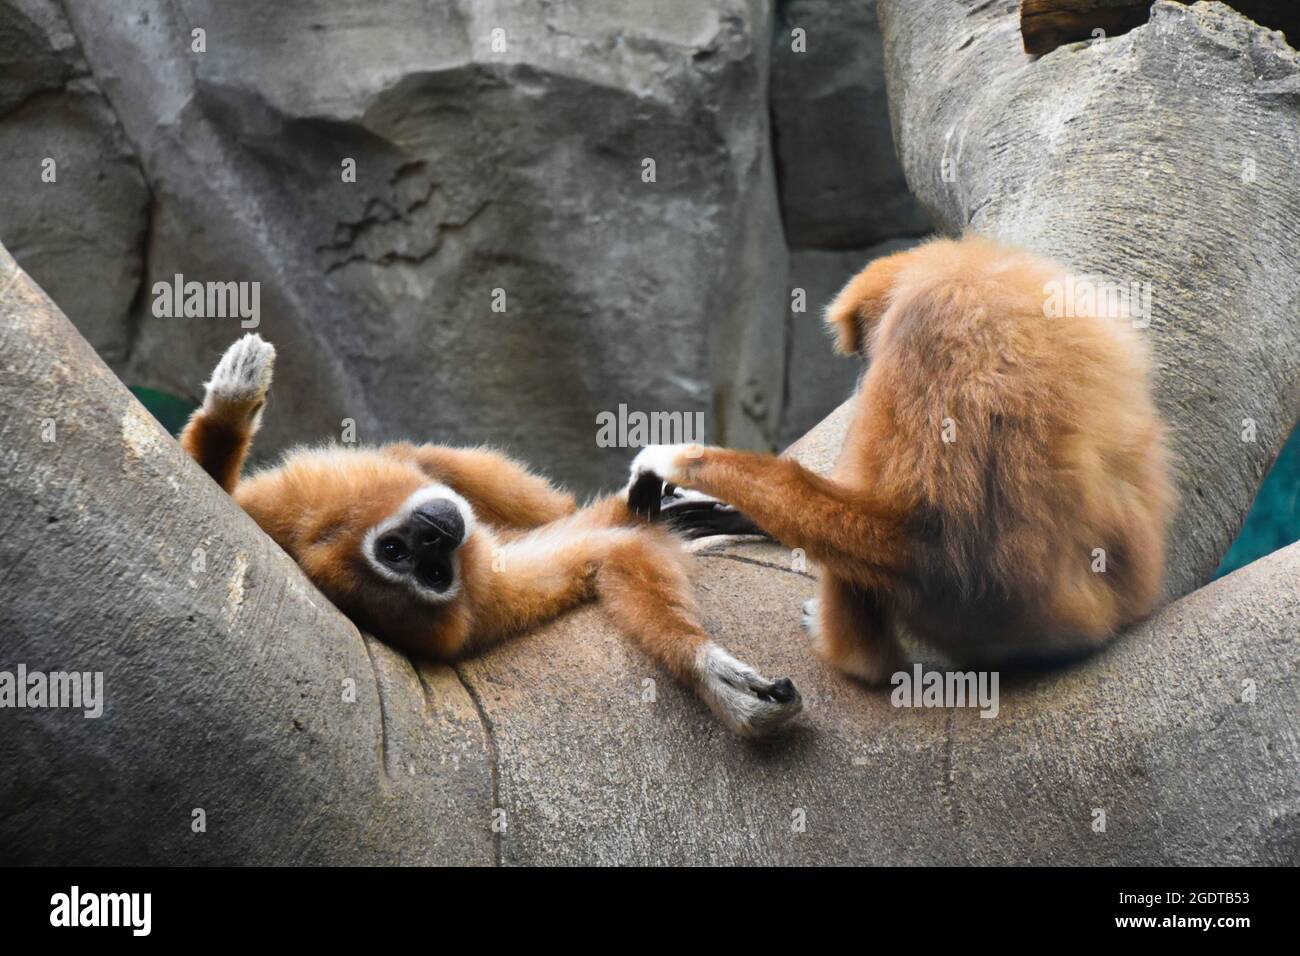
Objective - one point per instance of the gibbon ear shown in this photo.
(861, 303)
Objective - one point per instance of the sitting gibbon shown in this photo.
(1003, 491)
(443, 551)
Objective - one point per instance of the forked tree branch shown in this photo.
(237, 698)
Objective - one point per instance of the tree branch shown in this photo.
(225, 691)
(1162, 160)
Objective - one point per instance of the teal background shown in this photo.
(1274, 518)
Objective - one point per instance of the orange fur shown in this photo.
(219, 447)
(528, 554)
(981, 546)
(855, 311)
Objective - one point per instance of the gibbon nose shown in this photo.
(437, 526)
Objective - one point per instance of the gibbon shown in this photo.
(1003, 490)
(444, 551)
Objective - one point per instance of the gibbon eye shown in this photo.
(392, 549)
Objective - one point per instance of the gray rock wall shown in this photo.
(82, 234)
(844, 200)
(841, 184)
(818, 378)
(500, 153)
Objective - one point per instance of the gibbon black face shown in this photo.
(418, 545)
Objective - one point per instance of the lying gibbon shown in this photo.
(443, 551)
(1003, 491)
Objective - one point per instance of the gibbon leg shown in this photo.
(639, 574)
(219, 434)
(644, 587)
(852, 631)
(842, 529)
(500, 490)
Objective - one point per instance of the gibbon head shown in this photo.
(973, 263)
(855, 312)
(391, 548)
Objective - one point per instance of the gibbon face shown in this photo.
(399, 553)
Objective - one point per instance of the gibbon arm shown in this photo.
(843, 529)
(220, 433)
(554, 567)
(500, 490)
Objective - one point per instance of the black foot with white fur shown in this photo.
(644, 494)
(782, 691)
(744, 699)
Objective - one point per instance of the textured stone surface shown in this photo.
(80, 236)
(224, 689)
(485, 161)
(1166, 157)
(841, 184)
(1154, 733)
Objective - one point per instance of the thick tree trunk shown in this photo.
(230, 685)
(226, 680)
(1164, 158)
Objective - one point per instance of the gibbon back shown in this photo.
(1004, 488)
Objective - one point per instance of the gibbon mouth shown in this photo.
(436, 526)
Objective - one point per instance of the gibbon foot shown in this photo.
(744, 699)
(218, 435)
(872, 662)
(653, 474)
(812, 622)
(242, 378)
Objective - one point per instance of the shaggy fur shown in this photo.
(528, 552)
(982, 545)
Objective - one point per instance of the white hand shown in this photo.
(666, 461)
